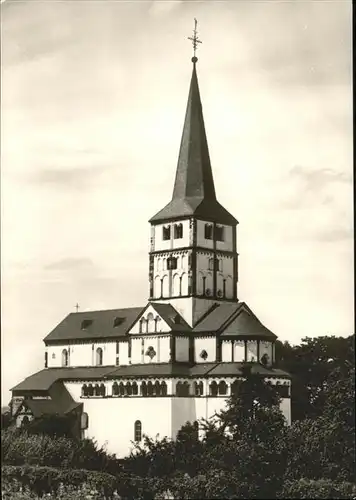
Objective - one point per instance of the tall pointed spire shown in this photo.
(194, 177)
(194, 190)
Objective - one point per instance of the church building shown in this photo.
(124, 373)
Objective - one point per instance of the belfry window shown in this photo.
(178, 231)
(166, 232)
(208, 232)
(172, 263)
(138, 430)
(219, 233)
(211, 264)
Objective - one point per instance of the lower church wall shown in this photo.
(111, 420)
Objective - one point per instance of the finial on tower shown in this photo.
(195, 40)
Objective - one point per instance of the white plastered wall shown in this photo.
(207, 344)
(161, 244)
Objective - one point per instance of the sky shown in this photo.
(93, 103)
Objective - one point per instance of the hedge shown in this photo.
(44, 480)
(321, 488)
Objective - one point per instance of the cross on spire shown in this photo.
(77, 307)
(195, 40)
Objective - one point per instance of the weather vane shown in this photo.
(195, 40)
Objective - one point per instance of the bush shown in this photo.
(321, 488)
(72, 483)
(19, 448)
(43, 480)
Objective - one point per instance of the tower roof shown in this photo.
(194, 190)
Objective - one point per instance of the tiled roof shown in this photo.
(43, 380)
(169, 314)
(99, 324)
(194, 191)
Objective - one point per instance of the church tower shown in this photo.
(193, 262)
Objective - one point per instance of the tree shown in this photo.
(324, 447)
(310, 365)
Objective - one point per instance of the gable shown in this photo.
(150, 321)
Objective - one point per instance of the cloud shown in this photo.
(76, 178)
(316, 179)
(163, 7)
(70, 263)
(304, 187)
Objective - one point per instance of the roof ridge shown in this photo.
(104, 310)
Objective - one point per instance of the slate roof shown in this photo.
(41, 407)
(194, 190)
(247, 325)
(151, 370)
(233, 320)
(169, 314)
(218, 316)
(101, 326)
(44, 379)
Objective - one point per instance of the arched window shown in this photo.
(199, 388)
(178, 231)
(102, 390)
(96, 390)
(150, 323)
(163, 389)
(90, 390)
(213, 389)
(99, 356)
(182, 389)
(222, 388)
(142, 325)
(211, 264)
(115, 389)
(84, 390)
(149, 388)
(121, 389)
(64, 357)
(129, 389)
(157, 327)
(134, 389)
(157, 388)
(138, 430)
(144, 388)
(208, 232)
